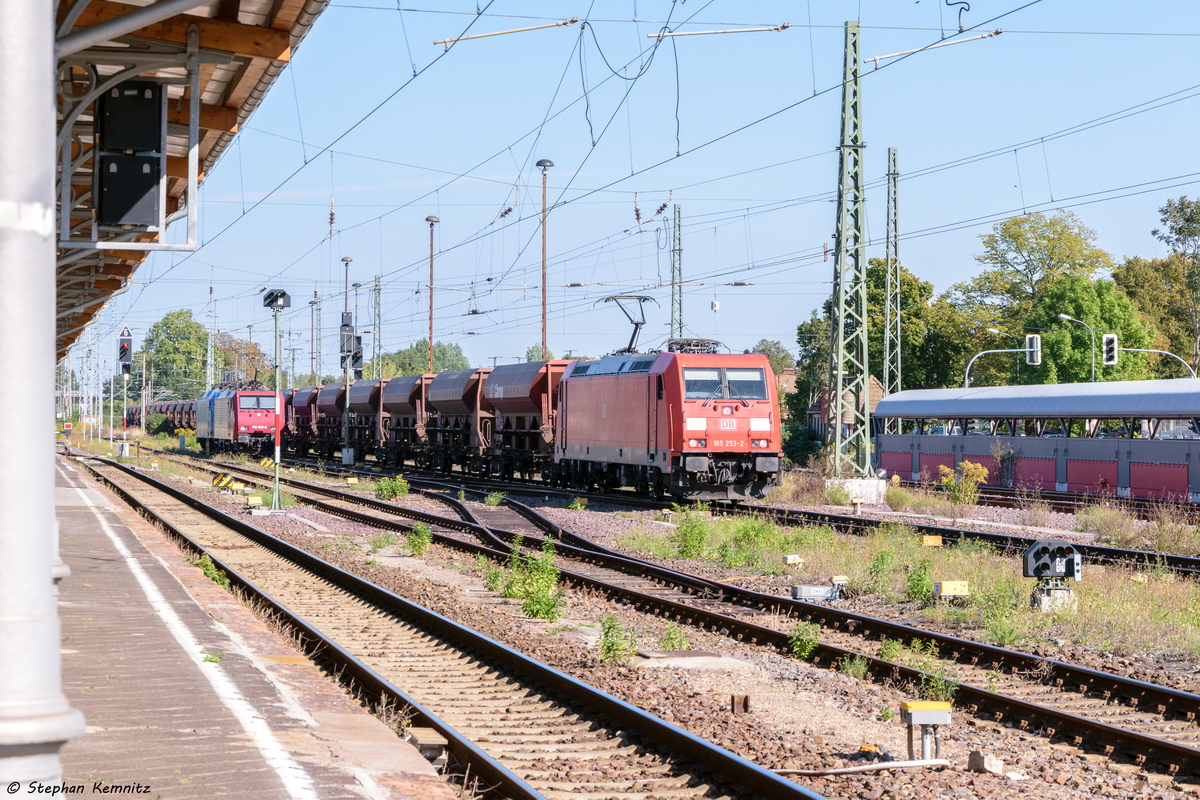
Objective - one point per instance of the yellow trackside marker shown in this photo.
(237, 486)
(351, 480)
(222, 480)
(253, 500)
(931, 541)
(267, 463)
(950, 589)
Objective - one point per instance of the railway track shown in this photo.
(533, 731)
(1125, 719)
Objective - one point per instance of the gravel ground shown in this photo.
(802, 717)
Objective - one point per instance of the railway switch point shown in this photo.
(929, 715)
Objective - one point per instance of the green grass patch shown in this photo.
(211, 571)
(385, 539)
(419, 539)
(391, 488)
(673, 638)
(617, 644)
(494, 499)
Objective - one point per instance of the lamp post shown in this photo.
(545, 164)
(432, 220)
(276, 300)
(347, 349)
(1069, 318)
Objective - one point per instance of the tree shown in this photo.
(414, 360)
(1158, 289)
(1181, 232)
(1067, 347)
(812, 363)
(1022, 257)
(176, 348)
(242, 357)
(777, 355)
(534, 353)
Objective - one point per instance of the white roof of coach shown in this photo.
(1169, 399)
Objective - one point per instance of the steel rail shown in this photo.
(1143, 748)
(721, 764)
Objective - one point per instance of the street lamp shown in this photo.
(545, 164)
(1069, 318)
(1002, 333)
(347, 350)
(276, 300)
(432, 220)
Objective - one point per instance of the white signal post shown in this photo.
(277, 300)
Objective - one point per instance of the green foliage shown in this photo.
(534, 353)
(578, 504)
(385, 539)
(1002, 631)
(494, 499)
(462, 494)
(837, 495)
(1067, 346)
(919, 585)
(617, 645)
(879, 574)
(370, 562)
(897, 498)
(493, 576)
(854, 666)
(211, 570)
(690, 536)
(800, 443)
(414, 360)
(419, 539)
(804, 639)
(962, 484)
(892, 650)
(391, 488)
(673, 638)
(176, 347)
(777, 355)
(157, 423)
(534, 580)
(886, 714)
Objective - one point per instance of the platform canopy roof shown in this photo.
(244, 46)
(1169, 399)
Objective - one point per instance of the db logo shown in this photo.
(729, 424)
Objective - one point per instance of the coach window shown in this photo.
(660, 387)
(747, 384)
(701, 384)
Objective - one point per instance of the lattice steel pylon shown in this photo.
(677, 275)
(891, 314)
(849, 389)
(377, 327)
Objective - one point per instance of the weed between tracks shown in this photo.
(890, 567)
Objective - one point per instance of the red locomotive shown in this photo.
(703, 426)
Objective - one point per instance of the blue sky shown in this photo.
(985, 130)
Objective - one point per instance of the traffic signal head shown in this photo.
(1110, 349)
(1033, 349)
(1053, 558)
(125, 350)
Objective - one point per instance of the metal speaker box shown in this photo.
(130, 117)
(129, 190)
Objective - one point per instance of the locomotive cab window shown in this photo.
(701, 384)
(251, 402)
(747, 384)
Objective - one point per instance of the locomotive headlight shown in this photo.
(242, 428)
(702, 443)
(692, 442)
(727, 410)
(758, 442)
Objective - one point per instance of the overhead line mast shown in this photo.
(849, 390)
(891, 324)
(677, 275)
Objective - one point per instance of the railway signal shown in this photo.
(1110, 349)
(125, 351)
(277, 300)
(1053, 558)
(1033, 349)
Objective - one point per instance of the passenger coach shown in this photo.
(1123, 438)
